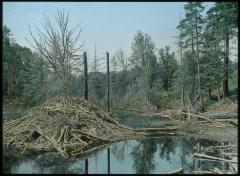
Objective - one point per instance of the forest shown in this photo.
(202, 73)
(201, 77)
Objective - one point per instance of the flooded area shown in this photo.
(145, 155)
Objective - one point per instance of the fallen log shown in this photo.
(176, 171)
(53, 142)
(216, 170)
(155, 129)
(158, 134)
(87, 152)
(90, 135)
(221, 115)
(199, 156)
(226, 120)
(202, 172)
(230, 154)
(233, 123)
(218, 126)
(220, 147)
(80, 140)
(195, 115)
(124, 109)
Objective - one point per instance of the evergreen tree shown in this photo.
(191, 33)
(167, 67)
(226, 27)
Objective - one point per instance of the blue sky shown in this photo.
(109, 25)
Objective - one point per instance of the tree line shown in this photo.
(157, 76)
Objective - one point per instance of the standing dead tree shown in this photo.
(122, 63)
(58, 44)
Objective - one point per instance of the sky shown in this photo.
(108, 25)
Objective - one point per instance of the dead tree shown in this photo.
(59, 46)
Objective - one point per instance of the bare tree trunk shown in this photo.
(226, 62)
(219, 95)
(198, 65)
(65, 87)
(10, 81)
(148, 87)
(68, 79)
(209, 93)
(182, 79)
(108, 83)
(43, 92)
(85, 76)
(167, 82)
(193, 64)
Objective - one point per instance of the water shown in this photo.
(146, 155)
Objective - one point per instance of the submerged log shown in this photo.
(155, 129)
(218, 171)
(199, 156)
(230, 154)
(220, 147)
(87, 152)
(202, 172)
(175, 171)
(150, 134)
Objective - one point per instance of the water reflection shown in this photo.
(10, 162)
(167, 147)
(108, 159)
(52, 164)
(120, 150)
(140, 156)
(143, 156)
(86, 166)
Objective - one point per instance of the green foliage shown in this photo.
(21, 77)
(167, 66)
(28, 78)
(143, 57)
(192, 24)
(225, 18)
(162, 99)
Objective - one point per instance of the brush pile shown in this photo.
(70, 126)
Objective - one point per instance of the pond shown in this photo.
(135, 156)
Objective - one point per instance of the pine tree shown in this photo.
(226, 27)
(191, 33)
(167, 67)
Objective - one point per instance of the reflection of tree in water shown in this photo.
(192, 145)
(57, 165)
(120, 149)
(207, 164)
(189, 144)
(143, 156)
(166, 147)
(11, 162)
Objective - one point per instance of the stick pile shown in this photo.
(70, 126)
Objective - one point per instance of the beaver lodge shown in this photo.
(70, 126)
